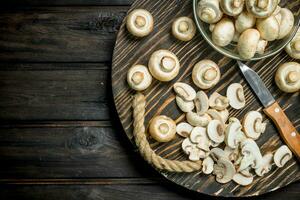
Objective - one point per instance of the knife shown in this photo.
(272, 109)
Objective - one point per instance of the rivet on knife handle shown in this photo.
(288, 132)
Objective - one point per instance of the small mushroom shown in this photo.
(286, 23)
(209, 11)
(268, 28)
(215, 131)
(184, 129)
(266, 165)
(184, 28)
(232, 7)
(184, 106)
(223, 32)
(162, 128)
(199, 137)
(287, 77)
(217, 153)
(183, 90)
(201, 103)
(208, 165)
(224, 170)
(251, 155)
(206, 74)
(261, 8)
(233, 134)
(248, 42)
(242, 179)
(197, 120)
(253, 124)
(218, 101)
(191, 150)
(140, 22)
(164, 65)
(139, 78)
(235, 95)
(282, 155)
(261, 46)
(293, 48)
(244, 21)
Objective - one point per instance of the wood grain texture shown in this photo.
(160, 97)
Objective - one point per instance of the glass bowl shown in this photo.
(272, 48)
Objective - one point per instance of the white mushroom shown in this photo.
(197, 120)
(233, 134)
(232, 7)
(224, 114)
(139, 78)
(282, 155)
(242, 179)
(216, 115)
(217, 153)
(268, 28)
(201, 103)
(236, 37)
(253, 124)
(162, 128)
(140, 22)
(199, 137)
(224, 170)
(251, 155)
(218, 101)
(184, 28)
(287, 77)
(232, 154)
(244, 21)
(286, 23)
(209, 11)
(266, 165)
(261, 46)
(293, 48)
(235, 95)
(184, 106)
(184, 129)
(191, 150)
(215, 131)
(208, 165)
(261, 8)
(223, 32)
(206, 74)
(248, 42)
(185, 91)
(164, 65)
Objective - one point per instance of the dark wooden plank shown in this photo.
(67, 2)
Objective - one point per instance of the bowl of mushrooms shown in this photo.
(247, 29)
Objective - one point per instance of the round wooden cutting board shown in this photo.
(160, 96)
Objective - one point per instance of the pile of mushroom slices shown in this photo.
(251, 23)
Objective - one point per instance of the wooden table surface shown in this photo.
(60, 137)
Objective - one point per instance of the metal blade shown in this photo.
(257, 85)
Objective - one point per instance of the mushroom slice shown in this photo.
(287, 77)
(199, 137)
(224, 114)
(242, 179)
(162, 128)
(197, 120)
(282, 155)
(184, 129)
(217, 153)
(286, 23)
(232, 154)
(268, 28)
(206, 74)
(233, 134)
(223, 32)
(215, 131)
(253, 125)
(191, 150)
(235, 95)
(232, 7)
(251, 155)
(247, 44)
(140, 22)
(266, 165)
(185, 106)
(209, 11)
(186, 92)
(164, 65)
(224, 170)
(293, 48)
(139, 78)
(208, 165)
(261, 8)
(218, 101)
(201, 103)
(216, 115)
(184, 28)
(244, 21)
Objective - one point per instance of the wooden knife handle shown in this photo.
(287, 131)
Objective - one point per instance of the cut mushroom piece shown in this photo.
(244, 21)
(199, 137)
(215, 131)
(242, 179)
(217, 153)
(286, 23)
(287, 77)
(266, 165)
(164, 65)
(184, 29)
(209, 11)
(293, 48)
(233, 134)
(261, 8)
(208, 165)
(251, 155)
(248, 42)
(216, 115)
(140, 22)
(197, 120)
(201, 103)
(232, 7)
(268, 28)
(232, 154)
(162, 128)
(282, 155)
(218, 101)
(253, 124)
(191, 150)
(223, 32)
(183, 90)
(139, 78)
(235, 95)
(184, 129)
(184, 106)
(224, 170)
(224, 114)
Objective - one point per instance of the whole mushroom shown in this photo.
(248, 42)
(282, 155)
(235, 95)
(293, 48)
(209, 11)
(253, 124)
(140, 22)
(244, 21)
(268, 28)
(232, 7)
(286, 23)
(287, 77)
(223, 32)
(184, 29)
(261, 8)
(162, 128)
(139, 77)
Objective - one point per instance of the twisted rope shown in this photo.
(143, 145)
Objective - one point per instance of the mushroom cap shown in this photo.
(251, 154)
(139, 77)
(164, 65)
(223, 32)
(206, 74)
(261, 8)
(287, 77)
(200, 138)
(215, 131)
(235, 95)
(247, 44)
(242, 179)
(197, 120)
(282, 155)
(293, 48)
(286, 23)
(208, 165)
(185, 91)
(224, 170)
(191, 150)
(253, 125)
(233, 134)
(232, 7)
(266, 165)
(140, 22)
(218, 101)
(184, 106)
(201, 103)
(268, 28)
(209, 11)
(244, 21)
(184, 28)
(184, 129)
(162, 128)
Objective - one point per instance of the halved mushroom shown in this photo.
(286, 23)
(253, 124)
(282, 155)
(218, 101)
(215, 131)
(208, 165)
(164, 65)
(199, 137)
(251, 155)
(184, 28)
(201, 103)
(139, 78)
(261, 8)
(191, 150)
(184, 129)
(224, 170)
(206, 74)
(244, 21)
(197, 120)
(242, 179)
(235, 95)
(184, 106)
(268, 28)
(293, 48)
(162, 128)
(266, 165)
(232, 7)
(140, 22)
(217, 153)
(287, 77)
(248, 42)
(223, 32)
(233, 133)
(209, 11)
(185, 91)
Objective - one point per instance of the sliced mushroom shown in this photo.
(244, 21)
(268, 28)
(224, 170)
(282, 155)
(261, 8)
(287, 77)
(215, 131)
(293, 48)
(232, 154)
(266, 165)
(199, 137)
(201, 103)
(242, 179)
(162, 128)
(248, 42)
(139, 78)
(251, 155)
(235, 95)
(209, 11)
(216, 115)
(224, 114)
(233, 134)
(184, 106)
(164, 65)
(286, 23)
(223, 32)
(184, 28)
(184, 129)
(197, 120)
(253, 124)
(232, 7)
(140, 22)
(208, 165)
(261, 46)
(216, 154)
(218, 101)
(183, 90)
(191, 150)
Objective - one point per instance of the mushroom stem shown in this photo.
(263, 4)
(164, 128)
(237, 3)
(140, 21)
(210, 74)
(168, 64)
(183, 27)
(137, 78)
(293, 77)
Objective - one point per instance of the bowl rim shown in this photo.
(222, 51)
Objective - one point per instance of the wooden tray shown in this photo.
(160, 97)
